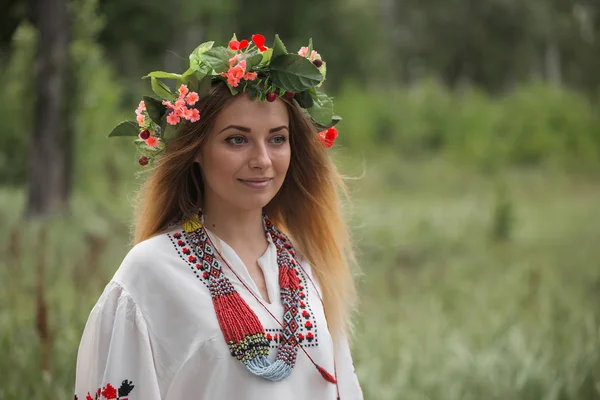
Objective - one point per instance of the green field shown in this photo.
(468, 291)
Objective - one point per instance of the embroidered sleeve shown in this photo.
(115, 356)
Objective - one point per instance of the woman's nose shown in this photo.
(260, 157)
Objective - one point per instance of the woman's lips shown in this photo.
(256, 183)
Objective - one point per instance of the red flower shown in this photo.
(109, 392)
(305, 314)
(243, 44)
(177, 235)
(300, 336)
(205, 275)
(186, 250)
(269, 336)
(180, 242)
(328, 136)
(234, 45)
(192, 259)
(88, 397)
(259, 41)
(302, 304)
(309, 335)
(308, 325)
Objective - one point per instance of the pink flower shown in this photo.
(195, 115)
(167, 103)
(187, 114)
(152, 141)
(250, 76)
(173, 118)
(183, 90)
(140, 119)
(141, 107)
(179, 111)
(234, 59)
(303, 51)
(235, 74)
(192, 98)
(180, 103)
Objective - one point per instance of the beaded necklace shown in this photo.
(243, 332)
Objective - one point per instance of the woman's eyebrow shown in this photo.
(246, 129)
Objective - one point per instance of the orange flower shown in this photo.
(152, 141)
(183, 90)
(235, 74)
(187, 114)
(195, 115)
(250, 76)
(179, 111)
(192, 98)
(173, 118)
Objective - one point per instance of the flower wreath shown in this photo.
(265, 73)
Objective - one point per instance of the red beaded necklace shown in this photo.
(241, 327)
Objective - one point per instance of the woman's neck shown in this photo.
(238, 228)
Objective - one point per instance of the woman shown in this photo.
(214, 301)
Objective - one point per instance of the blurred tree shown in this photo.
(50, 146)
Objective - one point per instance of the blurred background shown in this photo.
(472, 127)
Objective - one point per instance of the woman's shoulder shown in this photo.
(153, 264)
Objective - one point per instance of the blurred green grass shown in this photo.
(447, 311)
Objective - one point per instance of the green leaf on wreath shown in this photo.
(304, 99)
(278, 48)
(162, 75)
(161, 89)
(204, 82)
(125, 128)
(266, 57)
(169, 132)
(196, 59)
(322, 110)
(155, 109)
(294, 73)
(203, 48)
(253, 61)
(218, 58)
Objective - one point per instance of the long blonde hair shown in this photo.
(307, 207)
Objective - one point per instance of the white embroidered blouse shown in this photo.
(154, 334)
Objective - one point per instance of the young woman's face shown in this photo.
(247, 154)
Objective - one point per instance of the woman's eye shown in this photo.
(279, 139)
(236, 140)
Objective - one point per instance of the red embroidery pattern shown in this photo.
(109, 392)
